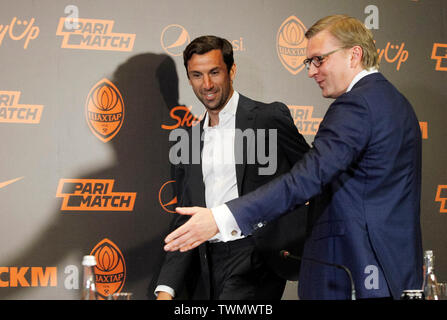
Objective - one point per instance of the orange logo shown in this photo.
(13, 112)
(174, 38)
(27, 31)
(94, 34)
(110, 270)
(28, 276)
(167, 202)
(302, 117)
(183, 117)
(104, 110)
(439, 53)
(442, 198)
(424, 129)
(291, 44)
(400, 55)
(5, 183)
(93, 195)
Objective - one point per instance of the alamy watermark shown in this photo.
(261, 147)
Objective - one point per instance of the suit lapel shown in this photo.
(196, 175)
(244, 120)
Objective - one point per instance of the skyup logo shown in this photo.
(18, 30)
(166, 199)
(174, 39)
(94, 34)
(302, 117)
(183, 117)
(104, 110)
(291, 44)
(13, 112)
(110, 270)
(93, 195)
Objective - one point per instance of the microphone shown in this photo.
(286, 255)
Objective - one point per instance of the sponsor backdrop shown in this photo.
(90, 91)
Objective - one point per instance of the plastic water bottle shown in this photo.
(430, 285)
(89, 283)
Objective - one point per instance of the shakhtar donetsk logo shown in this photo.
(110, 269)
(291, 44)
(105, 110)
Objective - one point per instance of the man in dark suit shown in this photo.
(368, 153)
(231, 163)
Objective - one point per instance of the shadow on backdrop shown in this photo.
(148, 84)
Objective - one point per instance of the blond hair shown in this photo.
(350, 32)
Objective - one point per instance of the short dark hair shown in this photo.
(204, 44)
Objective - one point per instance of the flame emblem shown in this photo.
(110, 268)
(292, 33)
(291, 44)
(105, 110)
(105, 97)
(108, 258)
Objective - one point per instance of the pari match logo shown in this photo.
(93, 34)
(110, 269)
(439, 53)
(303, 119)
(13, 112)
(104, 110)
(93, 195)
(291, 44)
(441, 197)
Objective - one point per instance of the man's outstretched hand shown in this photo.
(198, 229)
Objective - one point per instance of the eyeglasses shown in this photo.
(318, 60)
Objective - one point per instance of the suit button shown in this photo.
(260, 225)
(234, 233)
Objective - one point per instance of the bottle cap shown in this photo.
(429, 253)
(89, 261)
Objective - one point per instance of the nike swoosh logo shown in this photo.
(4, 184)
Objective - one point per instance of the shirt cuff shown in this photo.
(225, 221)
(165, 289)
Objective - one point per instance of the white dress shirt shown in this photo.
(222, 214)
(219, 167)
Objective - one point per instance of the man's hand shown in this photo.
(199, 228)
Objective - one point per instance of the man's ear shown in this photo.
(233, 71)
(356, 56)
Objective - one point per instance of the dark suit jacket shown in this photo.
(368, 152)
(287, 233)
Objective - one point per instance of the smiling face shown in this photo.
(338, 69)
(210, 79)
